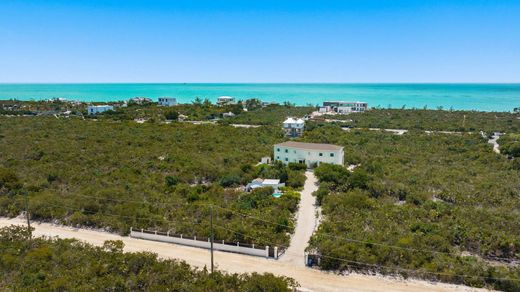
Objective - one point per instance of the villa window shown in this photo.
(278, 149)
(286, 159)
(332, 155)
(286, 150)
(321, 154)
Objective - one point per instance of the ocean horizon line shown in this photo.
(261, 83)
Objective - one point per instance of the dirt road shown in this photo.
(309, 279)
(306, 223)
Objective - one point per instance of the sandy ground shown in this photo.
(309, 279)
(306, 223)
(245, 126)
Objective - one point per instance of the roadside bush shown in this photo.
(71, 265)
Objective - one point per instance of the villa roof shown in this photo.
(293, 121)
(310, 146)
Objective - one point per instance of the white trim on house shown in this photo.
(312, 154)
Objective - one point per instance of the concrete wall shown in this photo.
(309, 156)
(264, 252)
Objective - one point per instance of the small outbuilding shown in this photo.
(265, 160)
(260, 183)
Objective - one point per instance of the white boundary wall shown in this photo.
(205, 244)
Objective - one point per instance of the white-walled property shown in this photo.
(311, 154)
(344, 107)
(96, 109)
(167, 101)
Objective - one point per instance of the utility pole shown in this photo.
(26, 195)
(211, 236)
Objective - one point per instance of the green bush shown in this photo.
(70, 265)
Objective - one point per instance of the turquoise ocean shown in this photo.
(484, 97)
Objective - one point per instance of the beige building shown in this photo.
(312, 154)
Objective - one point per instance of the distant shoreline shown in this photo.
(501, 97)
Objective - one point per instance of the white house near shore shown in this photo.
(312, 154)
(96, 109)
(344, 107)
(225, 100)
(293, 127)
(167, 101)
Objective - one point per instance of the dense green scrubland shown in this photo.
(154, 176)
(70, 265)
(438, 120)
(270, 115)
(435, 206)
(198, 110)
(510, 145)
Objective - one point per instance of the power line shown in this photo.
(360, 241)
(395, 268)
(321, 255)
(209, 205)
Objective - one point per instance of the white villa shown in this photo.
(96, 109)
(344, 107)
(167, 101)
(225, 100)
(293, 127)
(312, 154)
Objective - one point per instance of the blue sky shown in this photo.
(259, 41)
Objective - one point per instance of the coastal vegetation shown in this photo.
(69, 265)
(433, 120)
(440, 206)
(271, 114)
(198, 110)
(510, 144)
(436, 206)
(121, 174)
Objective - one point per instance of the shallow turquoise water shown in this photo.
(487, 97)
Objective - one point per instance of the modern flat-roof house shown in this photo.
(312, 154)
(293, 127)
(344, 107)
(225, 100)
(139, 100)
(96, 109)
(167, 101)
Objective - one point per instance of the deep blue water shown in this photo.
(486, 97)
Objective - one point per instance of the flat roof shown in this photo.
(271, 181)
(342, 101)
(310, 146)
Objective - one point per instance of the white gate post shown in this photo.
(267, 251)
(276, 252)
